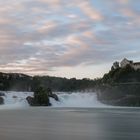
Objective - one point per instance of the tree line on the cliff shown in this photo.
(122, 75)
(22, 82)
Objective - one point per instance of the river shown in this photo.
(41, 123)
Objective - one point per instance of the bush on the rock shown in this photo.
(41, 97)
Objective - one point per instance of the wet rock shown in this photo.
(1, 101)
(30, 100)
(54, 96)
(2, 94)
(14, 96)
(51, 94)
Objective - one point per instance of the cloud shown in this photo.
(90, 11)
(41, 36)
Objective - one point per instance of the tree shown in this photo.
(41, 96)
(115, 65)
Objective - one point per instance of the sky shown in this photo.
(68, 38)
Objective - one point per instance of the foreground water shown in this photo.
(70, 124)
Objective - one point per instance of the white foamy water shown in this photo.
(18, 100)
(15, 100)
(77, 100)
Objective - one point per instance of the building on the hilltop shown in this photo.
(125, 62)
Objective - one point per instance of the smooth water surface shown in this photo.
(70, 124)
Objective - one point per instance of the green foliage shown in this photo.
(21, 82)
(14, 81)
(127, 74)
(64, 84)
(41, 96)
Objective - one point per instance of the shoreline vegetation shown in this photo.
(119, 87)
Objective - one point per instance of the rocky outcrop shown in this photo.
(2, 94)
(14, 97)
(41, 97)
(1, 101)
(120, 95)
(54, 96)
(30, 100)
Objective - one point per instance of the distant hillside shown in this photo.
(15, 81)
(22, 82)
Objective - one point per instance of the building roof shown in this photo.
(137, 63)
(130, 61)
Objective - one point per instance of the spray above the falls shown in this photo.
(78, 99)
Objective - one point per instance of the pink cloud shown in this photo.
(90, 11)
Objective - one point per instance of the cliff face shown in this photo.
(120, 87)
(123, 95)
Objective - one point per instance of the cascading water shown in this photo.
(15, 100)
(77, 100)
(18, 100)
